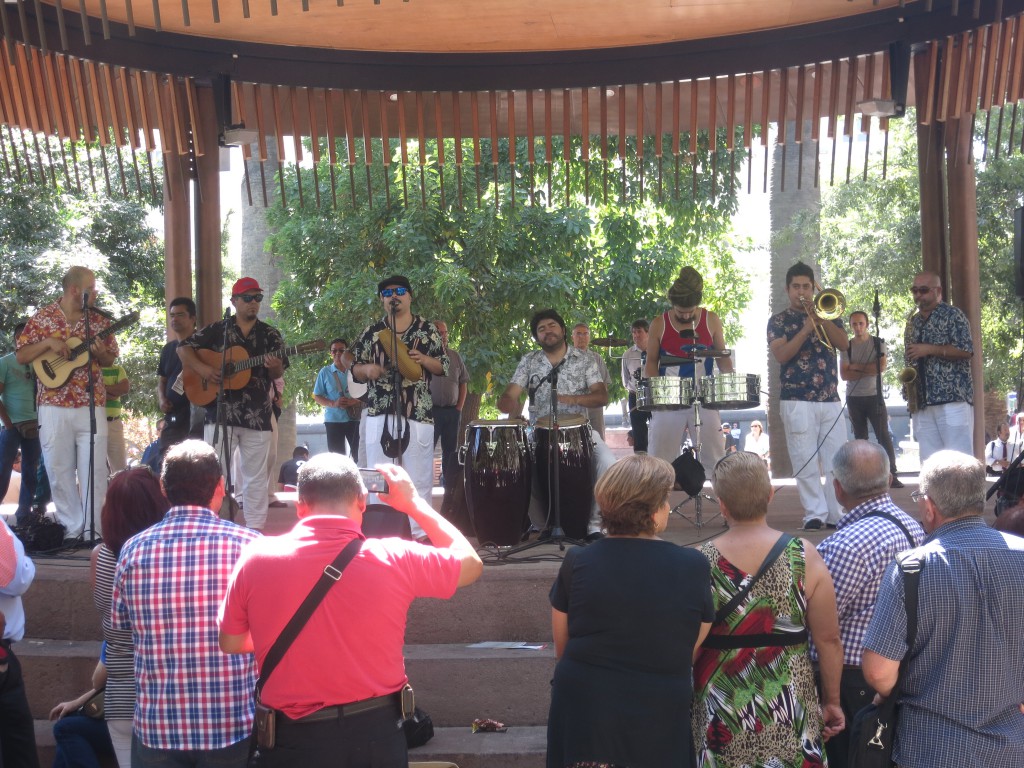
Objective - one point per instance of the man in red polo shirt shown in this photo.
(346, 712)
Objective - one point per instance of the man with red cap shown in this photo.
(247, 413)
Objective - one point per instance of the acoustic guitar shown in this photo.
(54, 371)
(237, 369)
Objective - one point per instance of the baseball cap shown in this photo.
(401, 280)
(244, 285)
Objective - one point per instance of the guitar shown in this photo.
(54, 371)
(237, 369)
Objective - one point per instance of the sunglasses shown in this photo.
(387, 293)
(338, 351)
(249, 298)
(920, 289)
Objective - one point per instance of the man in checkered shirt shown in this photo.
(960, 701)
(194, 704)
(867, 538)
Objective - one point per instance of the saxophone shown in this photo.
(908, 376)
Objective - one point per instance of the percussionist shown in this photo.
(678, 332)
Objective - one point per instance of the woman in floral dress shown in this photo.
(755, 700)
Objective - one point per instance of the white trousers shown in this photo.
(418, 459)
(808, 426)
(667, 428)
(121, 738)
(116, 458)
(65, 435)
(941, 427)
(272, 465)
(601, 459)
(253, 446)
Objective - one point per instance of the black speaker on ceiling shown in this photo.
(1018, 252)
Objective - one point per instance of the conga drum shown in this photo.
(498, 480)
(575, 471)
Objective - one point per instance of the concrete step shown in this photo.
(519, 747)
(456, 684)
(56, 670)
(59, 604)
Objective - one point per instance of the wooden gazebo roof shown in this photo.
(356, 73)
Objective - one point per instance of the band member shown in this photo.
(940, 350)
(64, 422)
(859, 368)
(678, 332)
(581, 340)
(809, 396)
(247, 412)
(181, 316)
(341, 410)
(580, 386)
(373, 365)
(632, 364)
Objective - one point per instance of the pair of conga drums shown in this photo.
(504, 458)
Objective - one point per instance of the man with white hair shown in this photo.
(961, 695)
(866, 540)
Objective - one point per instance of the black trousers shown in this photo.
(369, 740)
(446, 429)
(870, 409)
(638, 422)
(17, 733)
(854, 695)
(338, 432)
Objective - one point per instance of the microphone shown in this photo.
(227, 313)
(85, 300)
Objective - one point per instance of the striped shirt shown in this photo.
(119, 695)
(856, 556)
(960, 701)
(168, 586)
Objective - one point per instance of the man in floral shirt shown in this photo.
(64, 422)
(247, 411)
(809, 397)
(373, 366)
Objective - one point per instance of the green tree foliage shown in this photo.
(870, 237)
(543, 235)
(44, 229)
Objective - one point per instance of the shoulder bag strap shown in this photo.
(895, 520)
(330, 576)
(773, 555)
(911, 566)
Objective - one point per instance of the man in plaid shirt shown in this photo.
(866, 540)
(194, 705)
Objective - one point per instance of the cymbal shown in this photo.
(609, 341)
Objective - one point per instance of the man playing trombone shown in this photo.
(805, 345)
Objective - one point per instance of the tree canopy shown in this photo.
(577, 237)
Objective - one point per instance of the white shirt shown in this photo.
(23, 570)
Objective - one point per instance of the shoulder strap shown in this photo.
(773, 554)
(895, 521)
(330, 576)
(911, 565)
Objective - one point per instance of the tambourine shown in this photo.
(408, 367)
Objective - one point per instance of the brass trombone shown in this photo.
(828, 304)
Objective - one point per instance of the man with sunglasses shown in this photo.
(940, 349)
(372, 365)
(248, 410)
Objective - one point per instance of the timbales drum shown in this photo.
(729, 391)
(498, 480)
(664, 393)
(575, 471)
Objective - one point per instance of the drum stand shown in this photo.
(558, 536)
(698, 520)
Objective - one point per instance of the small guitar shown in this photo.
(237, 369)
(54, 371)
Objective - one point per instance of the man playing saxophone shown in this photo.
(939, 348)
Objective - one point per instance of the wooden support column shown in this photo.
(964, 286)
(177, 228)
(930, 166)
(209, 288)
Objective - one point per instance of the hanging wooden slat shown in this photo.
(439, 130)
(278, 134)
(404, 146)
(332, 142)
(945, 77)
(421, 137)
(971, 61)
(293, 97)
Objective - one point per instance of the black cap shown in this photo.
(401, 280)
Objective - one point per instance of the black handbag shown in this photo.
(874, 727)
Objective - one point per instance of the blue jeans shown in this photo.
(10, 441)
(234, 756)
(80, 742)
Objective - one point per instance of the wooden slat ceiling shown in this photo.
(73, 98)
(442, 26)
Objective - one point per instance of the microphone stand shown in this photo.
(90, 483)
(877, 310)
(554, 465)
(698, 520)
(396, 383)
(220, 426)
